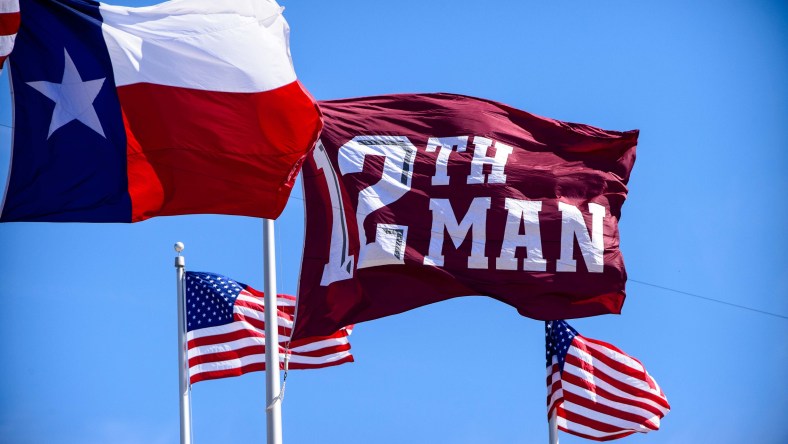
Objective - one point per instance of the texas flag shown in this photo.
(122, 114)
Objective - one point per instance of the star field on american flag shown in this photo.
(559, 336)
(210, 299)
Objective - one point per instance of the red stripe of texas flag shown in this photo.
(179, 169)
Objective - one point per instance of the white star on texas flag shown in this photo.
(73, 98)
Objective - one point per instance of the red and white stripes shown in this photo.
(239, 347)
(9, 25)
(603, 394)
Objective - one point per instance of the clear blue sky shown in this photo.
(88, 314)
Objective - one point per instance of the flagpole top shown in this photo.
(180, 262)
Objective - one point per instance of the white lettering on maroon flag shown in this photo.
(595, 390)
(417, 198)
(398, 154)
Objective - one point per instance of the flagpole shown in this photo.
(554, 427)
(273, 401)
(184, 389)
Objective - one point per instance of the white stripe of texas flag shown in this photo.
(146, 43)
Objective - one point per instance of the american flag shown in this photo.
(225, 325)
(9, 25)
(596, 390)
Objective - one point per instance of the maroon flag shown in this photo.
(417, 198)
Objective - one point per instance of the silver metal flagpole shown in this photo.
(273, 400)
(184, 389)
(554, 428)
